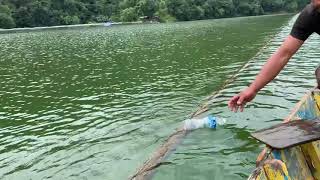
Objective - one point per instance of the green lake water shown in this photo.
(95, 103)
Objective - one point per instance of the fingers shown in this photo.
(236, 108)
(242, 107)
(240, 101)
(233, 103)
(237, 103)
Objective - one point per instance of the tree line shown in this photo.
(34, 13)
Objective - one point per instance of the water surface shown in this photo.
(229, 152)
(94, 103)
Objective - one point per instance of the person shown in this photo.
(307, 23)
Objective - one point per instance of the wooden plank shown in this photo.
(289, 134)
(295, 162)
(311, 152)
(316, 97)
(262, 175)
(302, 162)
(275, 170)
(258, 174)
(294, 112)
(298, 161)
(309, 108)
(288, 164)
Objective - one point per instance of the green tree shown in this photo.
(23, 17)
(163, 13)
(71, 7)
(69, 20)
(5, 9)
(245, 8)
(40, 14)
(179, 9)
(147, 7)
(249, 8)
(21, 3)
(196, 12)
(30, 13)
(291, 6)
(272, 5)
(129, 14)
(227, 7)
(6, 21)
(302, 3)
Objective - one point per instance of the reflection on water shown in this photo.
(94, 103)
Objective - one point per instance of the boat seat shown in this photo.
(286, 135)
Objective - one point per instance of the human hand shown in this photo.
(240, 100)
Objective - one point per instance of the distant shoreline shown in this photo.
(13, 30)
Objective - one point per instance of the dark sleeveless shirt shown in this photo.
(307, 23)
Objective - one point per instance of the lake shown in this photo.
(96, 102)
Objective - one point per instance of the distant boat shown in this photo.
(150, 19)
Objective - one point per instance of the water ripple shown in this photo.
(94, 103)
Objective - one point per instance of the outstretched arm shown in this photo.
(269, 71)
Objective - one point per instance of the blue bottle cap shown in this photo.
(212, 122)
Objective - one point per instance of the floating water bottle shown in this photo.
(208, 121)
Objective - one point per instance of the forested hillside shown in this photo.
(32, 13)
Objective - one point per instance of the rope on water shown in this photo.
(147, 169)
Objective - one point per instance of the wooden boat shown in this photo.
(300, 162)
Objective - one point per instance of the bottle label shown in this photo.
(212, 122)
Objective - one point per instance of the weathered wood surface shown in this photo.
(303, 161)
(289, 134)
(295, 162)
(276, 170)
(311, 153)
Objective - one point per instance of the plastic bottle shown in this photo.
(208, 121)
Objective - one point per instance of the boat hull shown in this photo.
(300, 162)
